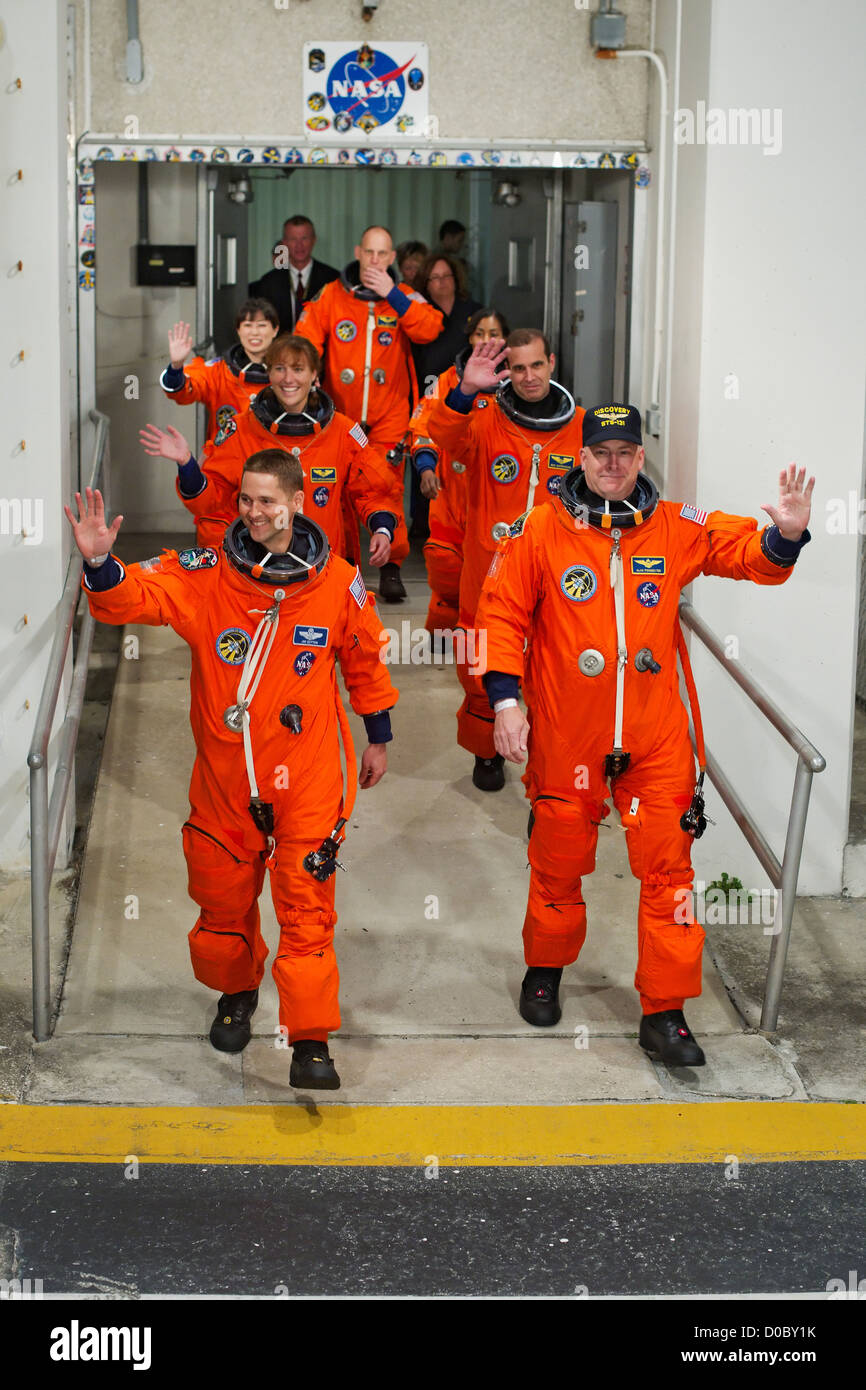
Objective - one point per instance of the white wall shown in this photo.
(37, 393)
(132, 324)
(770, 288)
(498, 69)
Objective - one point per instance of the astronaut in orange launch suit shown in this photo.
(266, 616)
(291, 413)
(592, 584)
(364, 324)
(516, 452)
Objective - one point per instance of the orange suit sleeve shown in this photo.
(159, 593)
(422, 321)
(453, 432)
(200, 384)
(315, 321)
(360, 645)
(734, 548)
(372, 485)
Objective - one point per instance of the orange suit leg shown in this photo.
(561, 850)
(305, 967)
(384, 435)
(444, 564)
(651, 796)
(474, 717)
(225, 945)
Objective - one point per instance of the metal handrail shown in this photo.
(782, 876)
(46, 819)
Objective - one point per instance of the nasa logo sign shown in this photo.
(367, 87)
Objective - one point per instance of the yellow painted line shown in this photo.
(459, 1135)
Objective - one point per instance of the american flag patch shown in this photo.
(358, 589)
(692, 513)
(358, 435)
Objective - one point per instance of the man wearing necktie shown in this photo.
(296, 276)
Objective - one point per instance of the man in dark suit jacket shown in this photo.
(288, 286)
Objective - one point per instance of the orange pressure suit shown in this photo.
(551, 583)
(334, 454)
(443, 549)
(226, 385)
(324, 615)
(365, 342)
(512, 461)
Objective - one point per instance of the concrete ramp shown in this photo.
(428, 938)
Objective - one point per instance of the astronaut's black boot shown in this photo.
(391, 587)
(230, 1030)
(668, 1034)
(539, 995)
(312, 1068)
(488, 775)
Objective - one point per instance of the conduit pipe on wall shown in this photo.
(134, 66)
(653, 414)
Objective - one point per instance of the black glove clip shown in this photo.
(693, 821)
(616, 763)
(262, 813)
(322, 862)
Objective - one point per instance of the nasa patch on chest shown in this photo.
(648, 593)
(303, 662)
(578, 583)
(197, 558)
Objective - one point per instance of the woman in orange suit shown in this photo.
(592, 583)
(443, 481)
(291, 413)
(266, 617)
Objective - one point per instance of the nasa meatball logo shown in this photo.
(368, 86)
(504, 468)
(553, 486)
(303, 661)
(232, 646)
(346, 330)
(578, 583)
(385, 338)
(648, 594)
(321, 496)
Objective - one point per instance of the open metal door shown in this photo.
(589, 300)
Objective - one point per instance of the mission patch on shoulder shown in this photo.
(200, 557)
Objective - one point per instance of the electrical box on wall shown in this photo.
(164, 265)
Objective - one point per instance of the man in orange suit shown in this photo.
(516, 451)
(590, 587)
(364, 324)
(266, 617)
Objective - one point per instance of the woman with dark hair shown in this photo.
(443, 282)
(441, 479)
(411, 256)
